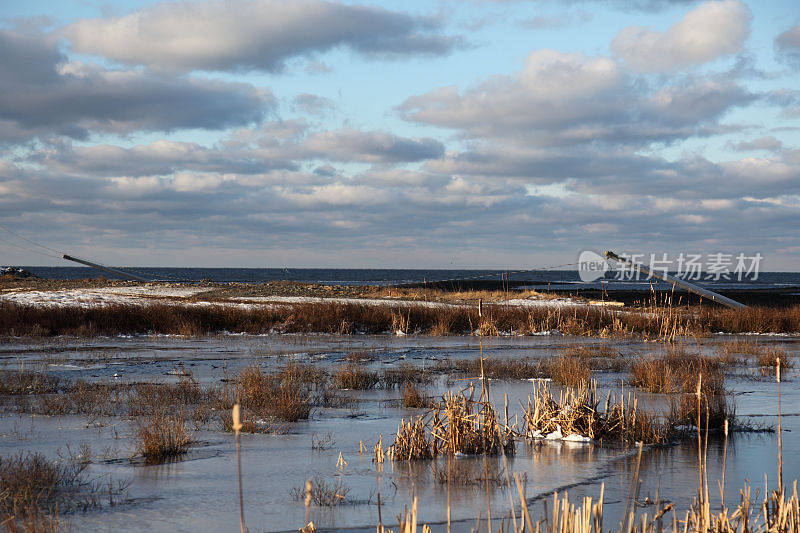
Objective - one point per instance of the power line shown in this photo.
(30, 241)
(32, 250)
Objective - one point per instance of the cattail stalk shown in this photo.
(237, 427)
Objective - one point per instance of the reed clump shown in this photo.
(34, 491)
(403, 375)
(148, 397)
(355, 377)
(32, 484)
(457, 424)
(493, 367)
(321, 492)
(18, 382)
(567, 369)
(161, 437)
(414, 399)
(576, 415)
(677, 371)
(767, 359)
(264, 397)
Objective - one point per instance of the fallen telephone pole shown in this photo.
(107, 269)
(691, 287)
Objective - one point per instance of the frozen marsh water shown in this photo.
(199, 492)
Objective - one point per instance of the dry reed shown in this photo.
(659, 320)
(162, 437)
(577, 413)
(458, 424)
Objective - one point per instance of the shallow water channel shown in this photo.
(200, 492)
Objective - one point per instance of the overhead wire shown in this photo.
(153, 273)
(31, 241)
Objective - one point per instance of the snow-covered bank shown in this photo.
(193, 296)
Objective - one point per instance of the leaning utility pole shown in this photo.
(107, 269)
(691, 287)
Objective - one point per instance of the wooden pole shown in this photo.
(107, 269)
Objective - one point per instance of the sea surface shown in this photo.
(531, 279)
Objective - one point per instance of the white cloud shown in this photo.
(563, 99)
(238, 35)
(711, 30)
(787, 45)
(554, 88)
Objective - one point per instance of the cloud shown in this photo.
(561, 99)
(276, 146)
(623, 5)
(710, 31)
(41, 93)
(559, 21)
(158, 158)
(787, 46)
(554, 88)
(313, 104)
(370, 146)
(768, 143)
(242, 35)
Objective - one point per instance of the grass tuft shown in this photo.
(355, 377)
(161, 437)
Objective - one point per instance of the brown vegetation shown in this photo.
(34, 490)
(284, 395)
(677, 371)
(680, 372)
(577, 412)
(13, 382)
(321, 492)
(334, 317)
(767, 359)
(355, 377)
(458, 424)
(493, 367)
(567, 369)
(414, 399)
(161, 436)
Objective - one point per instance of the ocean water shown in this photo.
(532, 279)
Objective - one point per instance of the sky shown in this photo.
(441, 134)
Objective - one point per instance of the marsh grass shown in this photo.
(404, 374)
(457, 424)
(716, 409)
(34, 491)
(355, 377)
(321, 492)
(570, 367)
(32, 484)
(660, 320)
(676, 371)
(577, 412)
(161, 437)
(21, 382)
(284, 395)
(414, 399)
(493, 367)
(767, 359)
(567, 369)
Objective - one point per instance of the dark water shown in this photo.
(533, 279)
